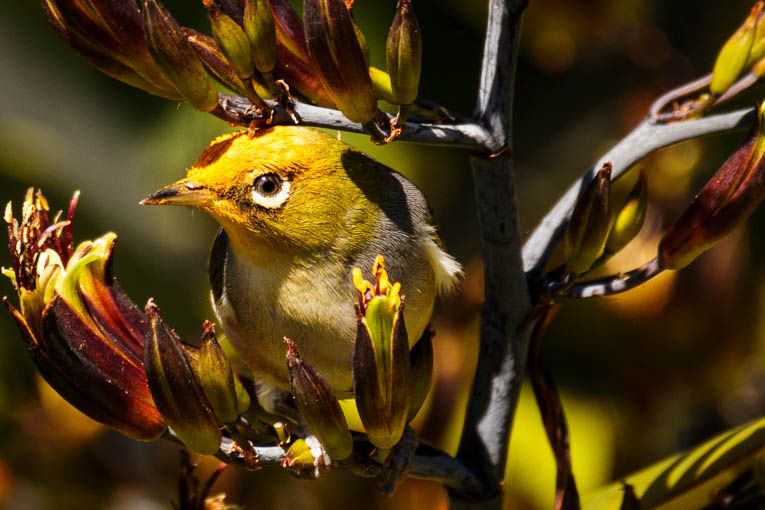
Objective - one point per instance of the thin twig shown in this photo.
(503, 347)
(239, 111)
(610, 285)
(645, 139)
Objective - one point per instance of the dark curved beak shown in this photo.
(184, 192)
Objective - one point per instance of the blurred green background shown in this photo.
(642, 374)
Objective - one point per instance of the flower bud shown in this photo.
(176, 390)
(318, 406)
(725, 202)
(216, 378)
(336, 52)
(261, 32)
(589, 224)
(306, 457)
(231, 40)
(404, 54)
(293, 63)
(176, 57)
(381, 365)
(736, 53)
(109, 35)
(629, 220)
(421, 359)
(83, 333)
(214, 61)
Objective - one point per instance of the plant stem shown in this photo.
(645, 139)
(503, 347)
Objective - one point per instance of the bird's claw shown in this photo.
(395, 466)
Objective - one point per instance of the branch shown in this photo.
(503, 348)
(428, 463)
(472, 136)
(646, 138)
(608, 286)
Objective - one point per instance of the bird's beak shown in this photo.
(184, 192)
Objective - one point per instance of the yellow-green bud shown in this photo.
(318, 406)
(231, 40)
(589, 224)
(735, 53)
(216, 378)
(629, 220)
(404, 54)
(177, 59)
(175, 388)
(261, 32)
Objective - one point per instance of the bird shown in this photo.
(298, 210)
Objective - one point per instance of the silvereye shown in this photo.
(298, 211)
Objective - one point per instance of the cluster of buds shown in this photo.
(127, 369)
(121, 367)
(255, 45)
(596, 232)
(390, 380)
(725, 202)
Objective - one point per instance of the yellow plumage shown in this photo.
(299, 210)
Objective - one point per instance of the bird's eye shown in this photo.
(270, 190)
(267, 185)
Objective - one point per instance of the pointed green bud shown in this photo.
(404, 54)
(261, 31)
(176, 57)
(336, 52)
(175, 388)
(421, 359)
(735, 53)
(758, 45)
(381, 365)
(216, 378)
(318, 406)
(231, 40)
(589, 224)
(726, 201)
(629, 220)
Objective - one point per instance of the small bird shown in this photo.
(298, 210)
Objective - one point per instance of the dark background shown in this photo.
(642, 375)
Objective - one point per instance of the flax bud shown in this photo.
(589, 224)
(404, 54)
(629, 220)
(726, 201)
(214, 374)
(231, 40)
(318, 406)
(176, 57)
(261, 31)
(337, 54)
(736, 53)
(381, 364)
(421, 359)
(175, 388)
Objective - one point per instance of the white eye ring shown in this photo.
(270, 190)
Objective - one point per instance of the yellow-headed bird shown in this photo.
(299, 210)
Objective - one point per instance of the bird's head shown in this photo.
(284, 190)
